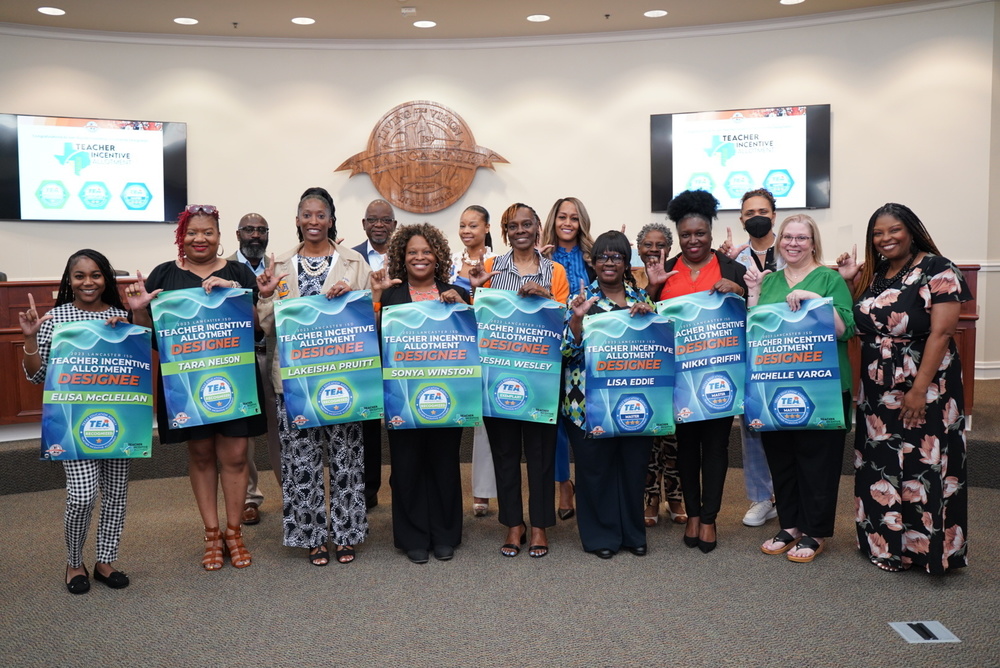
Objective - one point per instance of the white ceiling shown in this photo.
(384, 19)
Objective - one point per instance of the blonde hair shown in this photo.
(813, 230)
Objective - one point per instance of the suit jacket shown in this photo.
(400, 294)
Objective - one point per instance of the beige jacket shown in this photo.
(350, 266)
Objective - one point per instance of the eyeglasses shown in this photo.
(514, 227)
(251, 229)
(610, 258)
(384, 221)
(789, 239)
(206, 209)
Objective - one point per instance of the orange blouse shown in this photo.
(681, 283)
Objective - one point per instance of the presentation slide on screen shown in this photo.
(87, 169)
(730, 152)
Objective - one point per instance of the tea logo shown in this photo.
(217, 394)
(433, 403)
(510, 394)
(98, 430)
(335, 398)
(421, 157)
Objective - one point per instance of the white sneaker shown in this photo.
(760, 512)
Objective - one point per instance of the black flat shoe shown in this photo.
(79, 584)
(418, 556)
(443, 552)
(604, 553)
(638, 550)
(114, 580)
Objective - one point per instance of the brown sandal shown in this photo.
(239, 555)
(212, 561)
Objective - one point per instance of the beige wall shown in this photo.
(912, 98)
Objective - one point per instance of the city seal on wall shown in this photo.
(421, 157)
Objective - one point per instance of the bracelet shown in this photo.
(27, 354)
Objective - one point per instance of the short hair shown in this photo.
(655, 227)
(921, 241)
(395, 256)
(183, 219)
(813, 230)
(110, 295)
(615, 242)
(759, 192)
(316, 192)
(583, 238)
(693, 203)
(510, 213)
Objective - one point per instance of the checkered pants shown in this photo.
(84, 478)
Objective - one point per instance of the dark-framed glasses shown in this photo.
(251, 229)
(610, 258)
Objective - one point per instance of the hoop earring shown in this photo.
(222, 251)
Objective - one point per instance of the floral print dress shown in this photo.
(910, 484)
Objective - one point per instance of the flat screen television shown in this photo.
(91, 169)
(783, 149)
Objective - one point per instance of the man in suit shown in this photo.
(252, 235)
(379, 223)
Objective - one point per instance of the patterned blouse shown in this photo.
(60, 314)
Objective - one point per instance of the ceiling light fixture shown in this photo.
(655, 13)
(539, 18)
(424, 24)
(186, 22)
(791, 2)
(303, 21)
(52, 11)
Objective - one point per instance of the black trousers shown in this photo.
(508, 439)
(805, 468)
(426, 484)
(371, 436)
(703, 461)
(610, 483)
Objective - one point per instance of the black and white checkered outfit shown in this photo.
(85, 477)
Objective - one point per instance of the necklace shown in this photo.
(469, 261)
(797, 279)
(763, 252)
(318, 269)
(881, 282)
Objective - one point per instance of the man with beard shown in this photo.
(252, 235)
(379, 223)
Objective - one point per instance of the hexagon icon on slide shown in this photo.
(52, 194)
(738, 183)
(779, 182)
(701, 181)
(136, 196)
(95, 195)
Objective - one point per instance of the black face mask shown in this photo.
(758, 226)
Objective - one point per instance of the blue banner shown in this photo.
(206, 354)
(630, 374)
(430, 366)
(793, 374)
(98, 395)
(709, 354)
(329, 357)
(519, 348)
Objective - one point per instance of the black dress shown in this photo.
(169, 276)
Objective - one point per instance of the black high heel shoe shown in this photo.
(704, 545)
(691, 541)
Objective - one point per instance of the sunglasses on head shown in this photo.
(207, 209)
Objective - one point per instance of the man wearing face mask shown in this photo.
(757, 214)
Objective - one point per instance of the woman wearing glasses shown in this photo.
(524, 270)
(199, 265)
(610, 472)
(805, 464)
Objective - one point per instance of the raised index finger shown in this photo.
(31, 301)
(583, 288)
(854, 252)
(729, 235)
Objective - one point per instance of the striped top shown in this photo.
(550, 275)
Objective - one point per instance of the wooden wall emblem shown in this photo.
(422, 157)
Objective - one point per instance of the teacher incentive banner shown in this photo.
(98, 396)
(329, 357)
(520, 340)
(630, 374)
(793, 376)
(430, 366)
(709, 354)
(206, 355)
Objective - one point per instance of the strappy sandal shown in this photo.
(345, 554)
(239, 555)
(212, 560)
(806, 543)
(786, 539)
(321, 557)
(888, 565)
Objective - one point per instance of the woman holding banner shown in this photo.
(610, 472)
(426, 477)
(526, 271)
(805, 464)
(662, 478)
(702, 447)
(87, 291)
(474, 231)
(910, 460)
(315, 266)
(199, 265)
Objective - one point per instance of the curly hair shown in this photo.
(760, 192)
(110, 295)
(183, 219)
(655, 227)
(921, 241)
(395, 256)
(510, 213)
(693, 203)
(583, 238)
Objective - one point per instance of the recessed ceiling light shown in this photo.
(539, 18)
(655, 13)
(303, 21)
(424, 24)
(791, 2)
(186, 22)
(52, 11)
